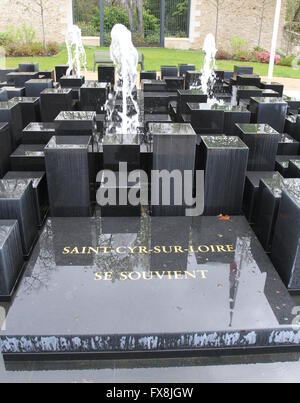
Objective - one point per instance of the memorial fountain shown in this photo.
(140, 279)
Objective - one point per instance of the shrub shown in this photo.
(287, 60)
(112, 15)
(240, 49)
(264, 57)
(223, 55)
(22, 42)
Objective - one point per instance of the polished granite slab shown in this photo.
(224, 160)
(282, 164)
(285, 253)
(87, 290)
(288, 145)
(38, 133)
(262, 141)
(294, 168)
(269, 110)
(67, 169)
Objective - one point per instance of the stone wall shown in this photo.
(236, 18)
(58, 14)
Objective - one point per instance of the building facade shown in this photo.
(57, 15)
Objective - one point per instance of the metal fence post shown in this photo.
(73, 11)
(101, 8)
(162, 22)
(189, 18)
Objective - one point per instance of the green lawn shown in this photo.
(155, 57)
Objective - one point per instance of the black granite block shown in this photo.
(249, 306)
(206, 120)
(54, 101)
(269, 110)
(11, 112)
(220, 74)
(188, 96)
(106, 73)
(38, 133)
(76, 124)
(269, 198)
(294, 168)
(100, 121)
(224, 160)
(292, 126)
(11, 257)
(158, 102)
(28, 157)
(270, 94)
(282, 164)
(148, 75)
(3, 95)
(228, 75)
(277, 87)
(19, 79)
(154, 85)
(174, 148)
(262, 141)
(242, 70)
(67, 171)
(13, 92)
(5, 148)
(247, 92)
(184, 68)
(17, 203)
(93, 96)
(30, 109)
(121, 148)
(293, 103)
(4, 72)
(60, 71)
(39, 184)
(174, 83)
(232, 116)
(287, 145)
(151, 118)
(250, 203)
(169, 71)
(173, 111)
(28, 67)
(71, 82)
(286, 244)
(49, 74)
(248, 80)
(120, 209)
(34, 88)
(192, 79)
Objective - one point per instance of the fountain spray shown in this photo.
(76, 52)
(125, 57)
(208, 77)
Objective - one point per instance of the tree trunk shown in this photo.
(140, 8)
(217, 20)
(130, 14)
(43, 23)
(297, 15)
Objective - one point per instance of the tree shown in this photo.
(129, 8)
(262, 16)
(218, 6)
(38, 7)
(140, 9)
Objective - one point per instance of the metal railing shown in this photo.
(149, 20)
